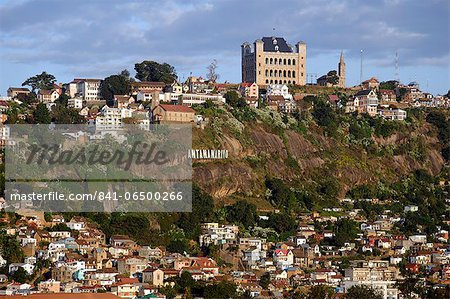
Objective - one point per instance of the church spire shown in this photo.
(341, 70)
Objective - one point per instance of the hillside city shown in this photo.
(328, 238)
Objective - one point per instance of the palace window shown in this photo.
(289, 62)
(293, 61)
(284, 73)
(271, 61)
(293, 74)
(284, 61)
(289, 74)
(267, 60)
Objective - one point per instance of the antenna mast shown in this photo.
(397, 75)
(361, 69)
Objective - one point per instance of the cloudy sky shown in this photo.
(99, 38)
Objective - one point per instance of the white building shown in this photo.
(392, 114)
(112, 118)
(76, 103)
(279, 90)
(386, 288)
(411, 208)
(283, 258)
(193, 98)
(87, 89)
(213, 233)
(15, 266)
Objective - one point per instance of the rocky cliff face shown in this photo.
(256, 153)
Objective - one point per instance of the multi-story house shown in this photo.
(249, 90)
(283, 258)
(15, 91)
(253, 256)
(89, 89)
(147, 87)
(190, 99)
(126, 288)
(372, 83)
(287, 107)
(48, 96)
(173, 113)
(131, 265)
(273, 61)
(392, 114)
(76, 103)
(111, 118)
(388, 95)
(214, 233)
(249, 242)
(364, 101)
(279, 90)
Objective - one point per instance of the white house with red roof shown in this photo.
(283, 258)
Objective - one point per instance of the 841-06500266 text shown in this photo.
(100, 196)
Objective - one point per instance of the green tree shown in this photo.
(242, 212)
(202, 210)
(332, 77)
(187, 294)
(154, 71)
(220, 290)
(320, 292)
(389, 85)
(41, 115)
(20, 275)
(10, 249)
(178, 246)
(186, 280)
(345, 230)
(119, 84)
(264, 281)
(64, 115)
(282, 222)
(325, 116)
(63, 100)
(410, 286)
(281, 195)
(168, 291)
(233, 99)
(362, 291)
(41, 81)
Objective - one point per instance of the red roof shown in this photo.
(333, 98)
(177, 108)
